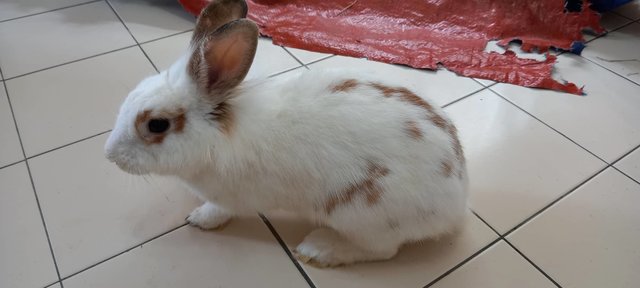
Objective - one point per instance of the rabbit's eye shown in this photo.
(158, 125)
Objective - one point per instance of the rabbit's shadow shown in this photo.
(151, 18)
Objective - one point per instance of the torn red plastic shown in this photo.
(425, 33)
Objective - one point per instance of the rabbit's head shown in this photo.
(170, 121)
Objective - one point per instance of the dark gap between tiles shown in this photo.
(445, 274)
(294, 56)
(616, 73)
(545, 208)
(131, 34)
(464, 97)
(533, 264)
(52, 10)
(168, 36)
(123, 252)
(11, 164)
(70, 62)
(68, 144)
(33, 186)
(284, 247)
(549, 126)
(625, 174)
(518, 251)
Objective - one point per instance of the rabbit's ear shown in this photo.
(221, 60)
(215, 15)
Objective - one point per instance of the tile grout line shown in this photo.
(547, 125)
(294, 57)
(465, 261)
(70, 62)
(11, 164)
(33, 186)
(284, 247)
(464, 97)
(67, 145)
(606, 68)
(167, 36)
(123, 252)
(603, 35)
(532, 264)
(625, 174)
(131, 34)
(546, 207)
(52, 10)
(518, 251)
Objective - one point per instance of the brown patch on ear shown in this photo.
(413, 130)
(177, 120)
(345, 86)
(224, 116)
(447, 168)
(215, 15)
(369, 187)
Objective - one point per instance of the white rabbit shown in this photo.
(371, 162)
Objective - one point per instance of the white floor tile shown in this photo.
(10, 9)
(53, 38)
(498, 267)
(630, 165)
(441, 86)
(10, 151)
(415, 266)
(588, 239)
(25, 258)
(77, 100)
(94, 210)
(149, 20)
(516, 164)
(165, 51)
(618, 51)
(604, 121)
(243, 254)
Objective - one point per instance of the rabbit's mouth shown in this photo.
(129, 169)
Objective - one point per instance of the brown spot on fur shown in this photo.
(404, 94)
(457, 147)
(438, 121)
(413, 130)
(224, 116)
(345, 86)
(176, 118)
(447, 168)
(407, 96)
(369, 187)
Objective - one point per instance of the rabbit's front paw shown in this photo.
(208, 217)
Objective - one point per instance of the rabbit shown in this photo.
(369, 161)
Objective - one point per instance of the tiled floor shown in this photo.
(554, 177)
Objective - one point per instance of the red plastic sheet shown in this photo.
(425, 33)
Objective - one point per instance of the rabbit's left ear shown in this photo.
(216, 14)
(222, 59)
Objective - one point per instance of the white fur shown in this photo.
(293, 144)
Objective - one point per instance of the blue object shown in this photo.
(598, 5)
(576, 47)
(606, 5)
